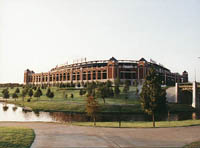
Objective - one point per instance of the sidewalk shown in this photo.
(55, 135)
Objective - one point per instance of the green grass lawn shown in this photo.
(141, 124)
(193, 145)
(61, 92)
(76, 104)
(14, 137)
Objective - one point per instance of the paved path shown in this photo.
(54, 135)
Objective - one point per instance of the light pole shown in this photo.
(195, 69)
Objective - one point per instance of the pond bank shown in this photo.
(63, 106)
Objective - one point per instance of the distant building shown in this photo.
(103, 70)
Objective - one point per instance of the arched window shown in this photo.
(104, 74)
(78, 76)
(64, 76)
(57, 77)
(60, 77)
(84, 75)
(74, 76)
(50, 78)
(89, 75)
(68, 76)
(99, 74)
(94, 75)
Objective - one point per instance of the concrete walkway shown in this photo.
(55, 135)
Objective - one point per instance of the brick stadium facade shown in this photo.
(103, 70)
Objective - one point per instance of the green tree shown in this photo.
(37, 93)
(6, 94)
(102, 92)
(91, 88)
(72, 96)
(92, 108)
(153, 97)
(116, 88)
(48, 92)
(126, 89)
(135, 83)
(23, 94)
(30, 93)
(126, 86)
(14, 96)
(17, 90)
(51, 95)
(39, 90)
(81, 92)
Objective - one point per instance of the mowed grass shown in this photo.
(60, 93)
(138, 124)
(14, 137)
(77, 103)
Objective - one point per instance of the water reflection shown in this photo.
(10, 112)
(14, 108)
(5, 107)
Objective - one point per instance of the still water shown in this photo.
(10, 112)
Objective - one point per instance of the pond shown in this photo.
(10, 112)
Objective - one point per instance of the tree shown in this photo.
(23, 94)
(81, 92)
(6, 94)
(38, 93)
(30, 93)
(135, 83)
(48, 92)
(14, 95)
(51, 95)
(116, 88)
(153, 97)
(72, 96)
(137, 92)
(102, 92)
(39, 90)
(17, 90)
(92, 108)
(91, 88)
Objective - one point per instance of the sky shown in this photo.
(40, 34)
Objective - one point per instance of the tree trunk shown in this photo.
(119, 116)
(94, 118)
(104, 101)
(153, 118)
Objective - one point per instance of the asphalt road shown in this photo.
(55, 135)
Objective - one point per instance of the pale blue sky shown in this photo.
(39, 34)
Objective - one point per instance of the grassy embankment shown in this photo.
(77, 104)
(141, 124)
(12, 137)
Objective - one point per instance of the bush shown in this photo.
(14, 95)
(72, 95)
(51, 95)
